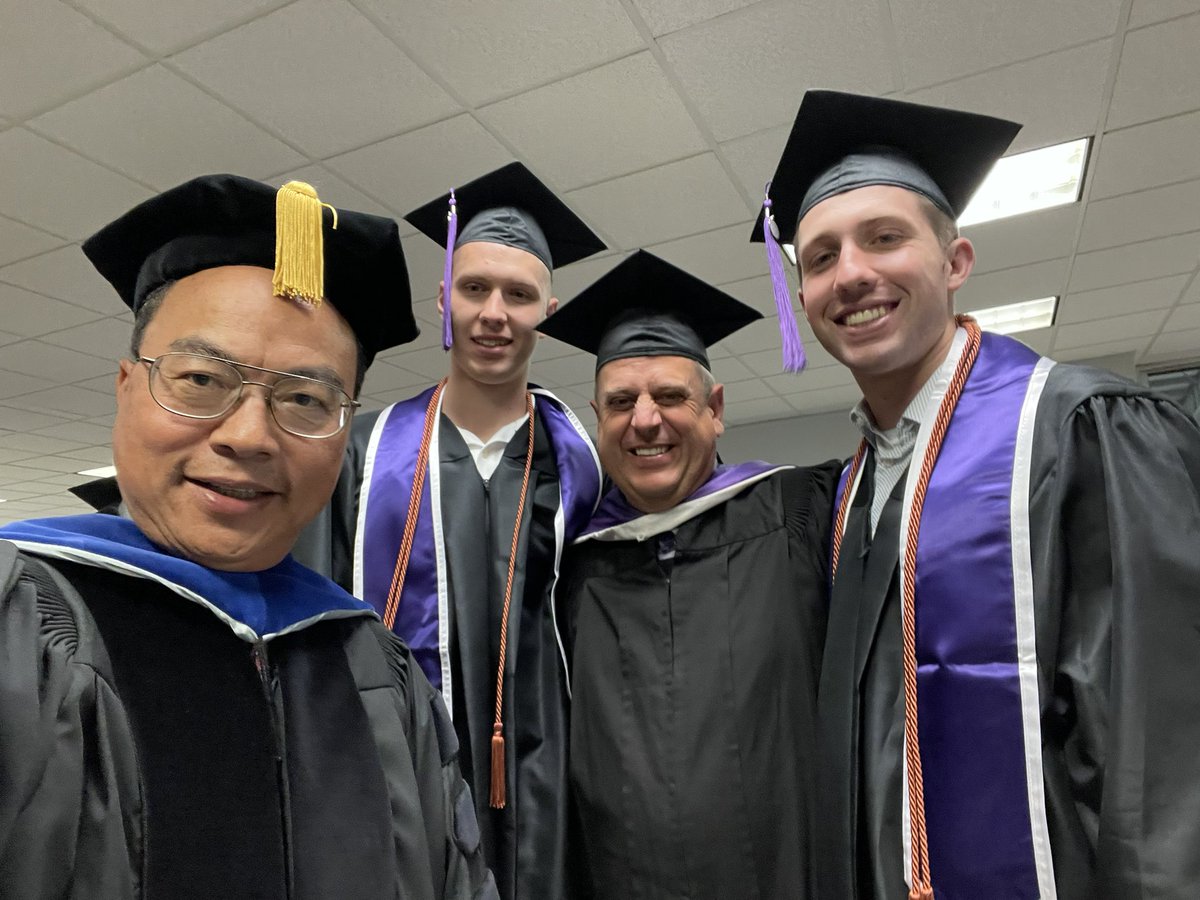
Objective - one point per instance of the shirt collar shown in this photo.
(918, 407)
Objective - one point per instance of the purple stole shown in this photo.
(615, 512)
(422, 618)
(977, 683)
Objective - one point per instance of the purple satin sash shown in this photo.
(971, 720)
(385, 492)
(615, 510)
(968, 687)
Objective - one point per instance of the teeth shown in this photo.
(649, 451)
(490, 343)
(866, 315)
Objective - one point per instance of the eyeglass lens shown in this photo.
(204, 387)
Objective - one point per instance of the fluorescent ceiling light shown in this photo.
(1014, 317)
(102, 472)
(1024, 182)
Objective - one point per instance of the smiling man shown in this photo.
(695, 607)
(1008, 705)
(186, 711)
(455, 505)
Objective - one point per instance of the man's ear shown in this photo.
(716, 402)
(595, 408)
(441, 298)
(551, 306)
(960, 257)
(800, 298)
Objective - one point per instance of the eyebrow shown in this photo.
(206, 348)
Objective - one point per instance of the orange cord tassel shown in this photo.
(497, 796)
(921, 892)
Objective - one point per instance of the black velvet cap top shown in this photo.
(227, 220)
(841, 142)
(647, 307)
(511, 206)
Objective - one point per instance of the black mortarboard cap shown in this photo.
(508, 206)
(648, 307)
(511, 206)
(227, 220)
(840, 142)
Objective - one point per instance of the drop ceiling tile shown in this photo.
(563, 371)
(718, 257)
(6, 338)
(16, 384)
(685, 197)
(572, 279)
(1147, 156)
(760, 294)
(407, 171)
(57, 190)
(945, 39)
(739, 392)
(1021, 240)
(384, 377)
(1181, 345)
(49, 52)
(174, 23)
(426, 262)
(39, 443)
(486, 51)
(193, 134)
(1043, 279)
(55, 464)
(335, 190)
(30, 315)
(753, 158)
(56, 365)
(24, 420)
(1159, 73)
(1183, 319)
(1142, 216)
(611, 120)
(90, 457)
(66, 274)
(429, 362)
(1135, 262)
(1145, 12)
(1039, 340)
(788, 384)
(1071, 110)
(744, 71)
(731, 370)
(82, 432)
(66, 399)
(18, 241)
(333, 84)
(664, 16)
(104, 384)
(107, 339)
(1139, 324)
(1083, 306)
(763, 410)
(1091, 352)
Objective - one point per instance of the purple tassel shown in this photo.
(794, 359)
(448, 274)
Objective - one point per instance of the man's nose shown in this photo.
(646, 416)
(249, 428)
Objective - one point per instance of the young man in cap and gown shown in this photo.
(186, 711)
(1008, 704)
(695, 607)
(455, 505)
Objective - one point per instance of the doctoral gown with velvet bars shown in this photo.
(694, 686)
(524, 842)
(1114, 502)
(148, 751)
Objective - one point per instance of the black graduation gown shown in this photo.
(524, 842)
(693, 698)
(148, 752)
(1115, 510)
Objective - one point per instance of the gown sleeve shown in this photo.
(70, 802)
(1120, 548)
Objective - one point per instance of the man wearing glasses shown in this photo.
(186, 711)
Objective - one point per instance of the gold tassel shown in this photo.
(299, 243)
(497, 795)
(921, 892)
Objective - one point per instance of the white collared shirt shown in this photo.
(487, 455)
(893, 447)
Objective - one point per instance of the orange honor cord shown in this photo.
(497, 798)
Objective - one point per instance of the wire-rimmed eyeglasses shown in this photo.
(199, 386)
